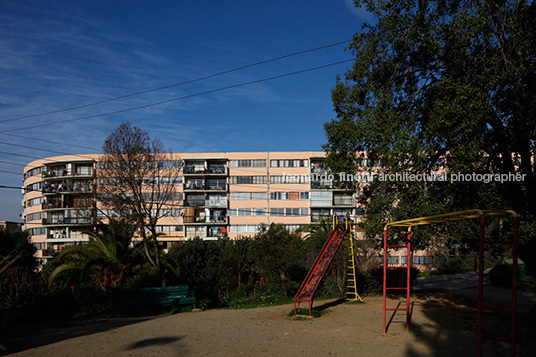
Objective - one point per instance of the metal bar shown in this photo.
(481, 284)
(396, 288)
(384, 276)
(514, 288)
(397, 267)
(409, 279)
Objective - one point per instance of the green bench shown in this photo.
(153, 298)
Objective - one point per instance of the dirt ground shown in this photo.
(442, 324)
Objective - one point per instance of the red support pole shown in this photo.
(384, 277)
(514, 289)
(481, 284)
(409, 279)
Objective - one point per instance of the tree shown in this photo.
(105, 260)
(138, 184)
(441, 85)
(279, 257)
(17, 253)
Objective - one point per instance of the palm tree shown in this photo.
(103, 261)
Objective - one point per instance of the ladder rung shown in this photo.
(396, 288)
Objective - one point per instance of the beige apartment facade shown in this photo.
(222, 194)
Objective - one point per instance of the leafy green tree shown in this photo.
(441, 85)
(279, 257)
(17, 253)
(105, 261)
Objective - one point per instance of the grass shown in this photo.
(251, 302)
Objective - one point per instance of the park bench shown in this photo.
(153, 298)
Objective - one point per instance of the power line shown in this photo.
(177, 84)
(184, 97)
(11, 163)
(11, 172)
(50, 142)
(10, 153)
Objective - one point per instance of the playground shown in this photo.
(442, 324)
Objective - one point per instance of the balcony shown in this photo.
(205, 220)
(218, 203)
(346, 201)
(202, 171)
(64, 173)
(66, 189)
(66, 221)
(201, 186)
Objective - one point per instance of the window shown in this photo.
(289, 211)
(241, 180)
(392, 260)
(293, 227)
(289, 195)
(36, 216)
(34, 172)
(35, 186)
(169, 228)
(244, 228)
(35, 201)
(37, 231)
(248, 195)
(247, 163)
(422, 259)
(290, 179)
(321, 198)
(247, 212)
(289, 163)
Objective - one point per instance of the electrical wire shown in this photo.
(177, 84)
(51, 142)
(182, 97)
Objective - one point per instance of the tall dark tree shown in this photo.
(137, 182)
(441, 85)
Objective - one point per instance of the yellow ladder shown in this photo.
(351, 284)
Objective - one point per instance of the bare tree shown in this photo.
(136, 181)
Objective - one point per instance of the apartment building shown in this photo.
(216, 195)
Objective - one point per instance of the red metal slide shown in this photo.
(318, 270)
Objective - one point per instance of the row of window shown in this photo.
(36, 216)
(247, 163)
(289, 163)
(34, 172)
(162, 164)
(35, 201)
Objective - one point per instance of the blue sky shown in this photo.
(61, 54)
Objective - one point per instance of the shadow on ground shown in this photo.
(451, 327)
(24, 338)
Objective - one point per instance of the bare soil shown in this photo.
(442, 324)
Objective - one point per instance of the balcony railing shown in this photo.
(66, 189)
(210, 219)
(343, 201)
(209, 171)
(64, 173)
(68, 220)
(216, 203)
